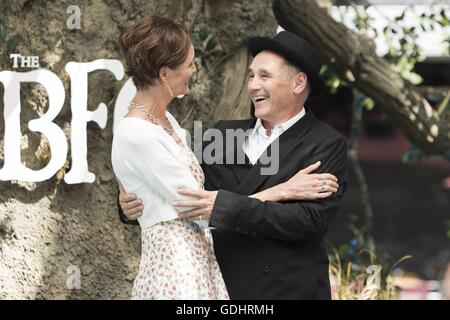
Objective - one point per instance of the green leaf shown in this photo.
(212, 43)
(368, 103)
(448, 231)
(198, 51)
(195, 38)
(406, 158)
(12, 43)
(2, 32)
(444, 22)
(334, 83)
(203, 33)
(401, 17)
(422, 26)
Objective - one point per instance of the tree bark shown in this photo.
(353, 57)
(50, 231)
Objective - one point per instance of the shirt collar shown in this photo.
(280, 128)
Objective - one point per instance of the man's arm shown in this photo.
(123, 218)
(129, 202)
(288, 221)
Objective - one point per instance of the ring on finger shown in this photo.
(324, 183)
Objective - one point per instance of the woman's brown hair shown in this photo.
(150, 44)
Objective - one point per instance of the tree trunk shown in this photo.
(50, 231)
(354, 59)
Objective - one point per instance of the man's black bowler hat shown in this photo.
(297, 51)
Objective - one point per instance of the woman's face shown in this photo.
(178, 78)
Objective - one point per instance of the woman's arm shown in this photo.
(303, 186)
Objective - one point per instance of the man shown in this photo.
(266, 249)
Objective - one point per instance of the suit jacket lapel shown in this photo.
(288, 141)
(240, 169)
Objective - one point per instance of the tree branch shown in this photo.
(353, 57)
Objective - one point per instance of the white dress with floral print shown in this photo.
(178, 260)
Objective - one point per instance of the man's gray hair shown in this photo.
(296, 70)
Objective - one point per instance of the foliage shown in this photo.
(413, 155)
(359, 273)
(204, 42)
(7, 45)
(403, 50)
(367, 280)
(359, 270)
(448, 229)
(401, 38)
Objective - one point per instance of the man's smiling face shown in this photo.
(270, 86)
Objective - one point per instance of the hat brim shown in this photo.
(258, 44)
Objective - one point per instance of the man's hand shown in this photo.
(306, 185)
(131, 206)
(303, 186)
(203, 203)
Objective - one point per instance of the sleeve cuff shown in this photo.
(227, 210)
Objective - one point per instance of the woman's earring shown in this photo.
(168, 88)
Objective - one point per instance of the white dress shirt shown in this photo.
(150, 164)
(258, 140)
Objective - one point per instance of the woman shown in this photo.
(151, 160)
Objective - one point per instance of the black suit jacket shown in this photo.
(269, 250)
(274, 250)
